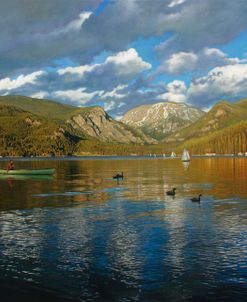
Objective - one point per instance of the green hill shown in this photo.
(24, 133)
(230, 140)
(222, 115)
(45, 108)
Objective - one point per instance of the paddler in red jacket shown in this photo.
(10, 166)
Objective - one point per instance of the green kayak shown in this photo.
(28, 172)
(25, 177)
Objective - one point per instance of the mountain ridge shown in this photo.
(160, 119)
(89, 122)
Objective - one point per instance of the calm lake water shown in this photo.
(82, 236)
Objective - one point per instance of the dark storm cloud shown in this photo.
(33, 32)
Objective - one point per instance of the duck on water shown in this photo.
(172, 192)
(196, 199)
(118, 176)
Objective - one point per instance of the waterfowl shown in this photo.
(172, 192)
(118, 176)
(196, 199)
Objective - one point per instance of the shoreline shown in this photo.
(110, 157)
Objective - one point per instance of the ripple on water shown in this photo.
(136, 244)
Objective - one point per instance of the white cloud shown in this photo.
(178, 62)
(176, 2)
(112, 105)
(124, 64)
(39, 95)
(115, 93)
(193, 25)
(176, 92)
(79, 96)
(22, 80)
(128, 62)
(74, 25)
(182, 62)
(79, 70)
(77, 24)
(230, 81)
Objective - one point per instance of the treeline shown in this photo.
(94, 147)
(230, 140)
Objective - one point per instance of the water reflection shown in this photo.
(186, 165)
(81, 234)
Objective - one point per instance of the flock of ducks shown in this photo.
(169, 193)
(193, 199)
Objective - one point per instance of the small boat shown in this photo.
(173, 155)
(185, 156)
(47, 171)
(25, 177)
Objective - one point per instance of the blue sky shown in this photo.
(124, 53)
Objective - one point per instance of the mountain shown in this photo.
(96, 123)
(222, 115)
(89, 123)
(161, 119)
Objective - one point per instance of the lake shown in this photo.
(82, 236)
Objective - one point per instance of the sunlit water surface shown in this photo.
(82, 236)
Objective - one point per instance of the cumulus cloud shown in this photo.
(36, 34)
(8, 84)
(221, 82)
(194, 24)
(182, 62)
(125, 63)
(224, 82)
(115, 70)
(176, 92)
(77, 96)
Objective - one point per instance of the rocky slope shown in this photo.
(98, 124)
(161, 119)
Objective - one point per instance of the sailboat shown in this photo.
(185, 156)
(173, 155)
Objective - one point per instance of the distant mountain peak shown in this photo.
(160, 119)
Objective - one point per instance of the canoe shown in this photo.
(47, 171)
(25, 177)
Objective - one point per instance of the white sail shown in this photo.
(185, 156)
(173, 155)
